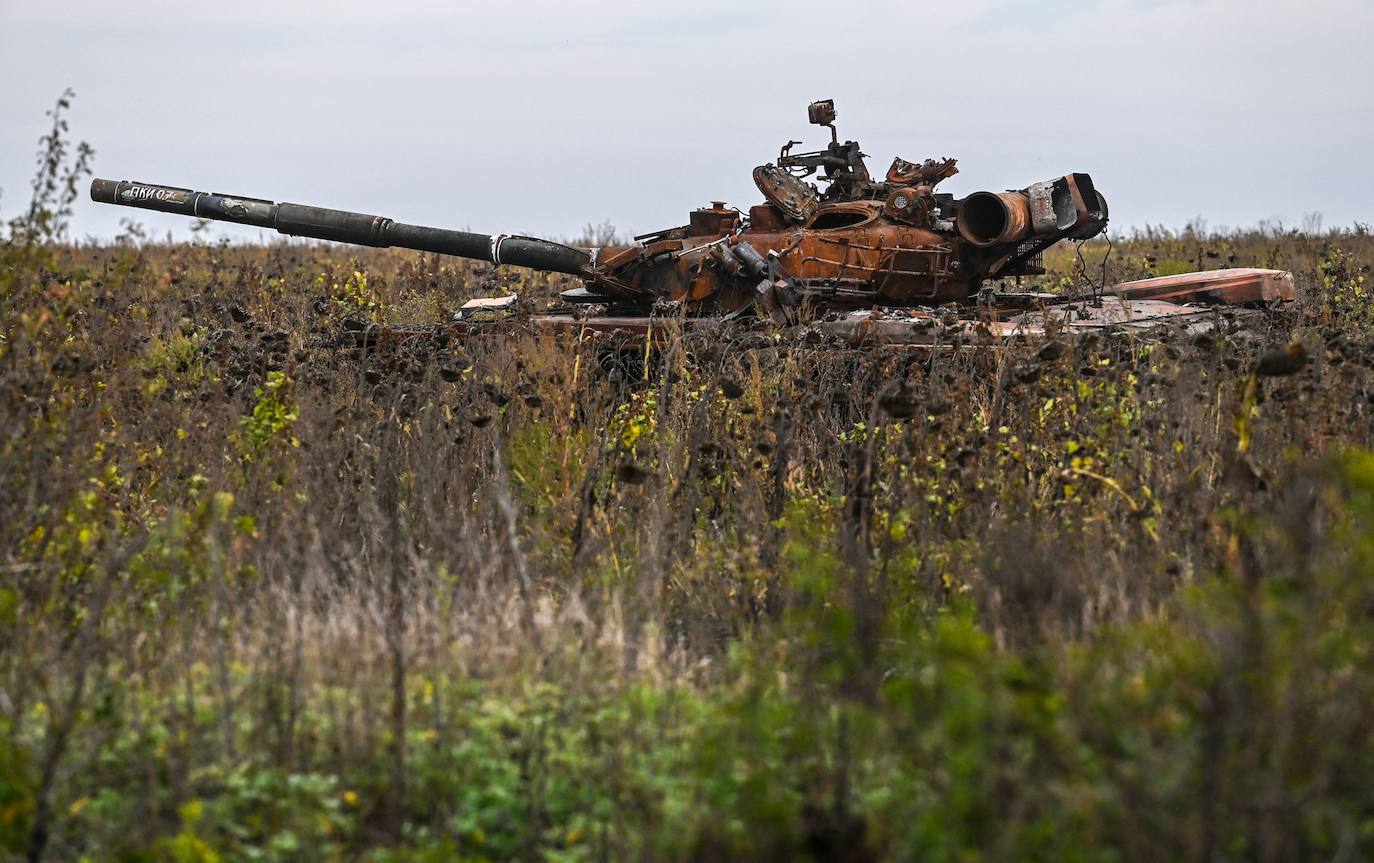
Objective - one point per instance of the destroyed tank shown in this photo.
(891, 261)
(850, 241)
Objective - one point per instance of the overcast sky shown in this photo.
(541, 116)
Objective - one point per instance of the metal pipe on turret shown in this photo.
(343, 226)
(1065, 206)
(993, 218)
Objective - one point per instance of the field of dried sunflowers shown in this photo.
(270, 597)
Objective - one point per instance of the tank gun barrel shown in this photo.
(343, 226)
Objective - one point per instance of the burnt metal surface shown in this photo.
(857, 259)
(789, 195)
(1008, 320)
(1242, 285)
